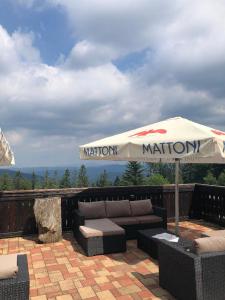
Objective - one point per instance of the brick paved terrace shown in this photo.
(61, 271)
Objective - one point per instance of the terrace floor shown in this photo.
(61, 271)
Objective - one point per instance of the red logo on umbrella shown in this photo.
(151, 131)
(218, 132)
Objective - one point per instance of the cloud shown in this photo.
(185, 38)
(53, 104)
(191, 50)
(124, 26)
(85, 54)
(49, 110)
(16, 50)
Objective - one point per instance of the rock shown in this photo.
(47, 213)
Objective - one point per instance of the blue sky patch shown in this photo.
(50, 27)
(131, 61)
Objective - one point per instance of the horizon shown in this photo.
(87, 164)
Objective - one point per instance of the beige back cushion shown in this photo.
(141, 207)
(120, 208)
(92, 210)
(209, 244)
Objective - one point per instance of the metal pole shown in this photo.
(177, 167)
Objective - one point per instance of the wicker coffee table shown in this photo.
(146, 241)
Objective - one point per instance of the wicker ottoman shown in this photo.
(101, 236)
(16, 288)
(147, 243)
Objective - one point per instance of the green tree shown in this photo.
(221, 178)
(133, 174)
(103, 180)
(18, 180)
(217, 169)
(46, 181)
(55, 180)
(33, 180)
(156, 179)
(26, 184)
(65, 181)
(117, 181)
(50, 182)
(195, 173)
(21, 183)
(6, 182)
(166, 170)
(210, 179)
(74, 179)
(82, 178)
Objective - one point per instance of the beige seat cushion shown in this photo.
(141, 207)
(214, 233)
(92, 210)
(209, 244)
(100, 227)
(148, 219)
(8, 266)
(125, 220)
(120, 208)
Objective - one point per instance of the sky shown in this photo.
(73, 71)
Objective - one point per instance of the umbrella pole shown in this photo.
(177, 167)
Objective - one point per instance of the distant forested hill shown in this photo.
(12, 171)
(93, 171)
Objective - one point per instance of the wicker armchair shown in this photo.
(16, 288)
(190, 276)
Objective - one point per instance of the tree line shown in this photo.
(135, 173)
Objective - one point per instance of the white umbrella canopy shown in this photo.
(166, 141)
(6, 155)
(174, 140)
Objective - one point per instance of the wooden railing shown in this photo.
(16, 207)
(196, 201)
(209, 203)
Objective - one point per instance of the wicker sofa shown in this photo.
(187, 275)
(18, 286)
(127, 216)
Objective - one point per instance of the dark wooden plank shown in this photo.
(4, 219)
(209, 203)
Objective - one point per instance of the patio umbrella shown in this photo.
(6, 155)
(174, 140)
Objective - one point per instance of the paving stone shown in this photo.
(38, 264)
(116, 284)
(129, 289)
(62, 271)
(77, 283)
(102, 279)
(43, 297)
(86, 292)
(66, 285)
(64, 297)
(49, 289)
(56, 276)
(33, 292)
(125, 297)
(105, 295)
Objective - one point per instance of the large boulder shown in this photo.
(47, 213)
